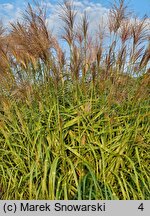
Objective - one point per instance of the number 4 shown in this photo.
(141, 207)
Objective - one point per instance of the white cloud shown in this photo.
(78, 4)
(7, 7)
(47, 4)
(9, 13)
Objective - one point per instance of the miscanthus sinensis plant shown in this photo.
(75, 128)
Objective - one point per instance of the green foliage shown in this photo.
(75, 129)
(61, 149)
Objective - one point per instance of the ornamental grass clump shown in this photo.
(75, 125)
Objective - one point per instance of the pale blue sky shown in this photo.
(141, 7)
(10, 10)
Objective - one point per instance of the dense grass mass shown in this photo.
(75, 128)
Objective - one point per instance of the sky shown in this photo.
(11, 10)
(140, 6)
